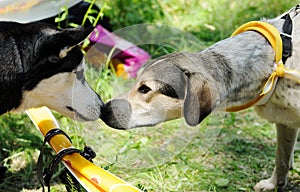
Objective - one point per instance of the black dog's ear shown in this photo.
(63, 41)
(67, 37)
(198, 101)
(70, 37)
(73, 36)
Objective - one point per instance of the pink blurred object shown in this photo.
(129, 54)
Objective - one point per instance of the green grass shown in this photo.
(227, 152)
(222, 156)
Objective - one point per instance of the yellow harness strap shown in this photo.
(273, 36)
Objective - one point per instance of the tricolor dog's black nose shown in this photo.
(116, 113)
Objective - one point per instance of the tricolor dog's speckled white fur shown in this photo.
(230, 73)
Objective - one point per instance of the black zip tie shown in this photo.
(88, 153)
(48, 136)
(45, 177)
(59, 156)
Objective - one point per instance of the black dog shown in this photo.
(42, 66)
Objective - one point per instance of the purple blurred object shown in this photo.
(132, 56)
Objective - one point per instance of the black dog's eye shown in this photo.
(144, 89)
(79, 74)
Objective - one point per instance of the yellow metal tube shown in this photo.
(90, 176)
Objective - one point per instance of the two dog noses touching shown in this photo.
(45, 67)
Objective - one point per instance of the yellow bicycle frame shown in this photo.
(90, 176)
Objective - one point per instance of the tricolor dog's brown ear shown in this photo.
(198, 102)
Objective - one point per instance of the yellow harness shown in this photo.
(273, 36)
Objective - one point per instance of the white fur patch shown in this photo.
(64, 52)
(61, 93)
(49, 31)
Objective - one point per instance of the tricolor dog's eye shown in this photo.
(144, 89)
(168, 91)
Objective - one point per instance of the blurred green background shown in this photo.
(245, 146)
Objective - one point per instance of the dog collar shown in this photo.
(275, 39)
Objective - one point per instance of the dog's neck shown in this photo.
(239, 66)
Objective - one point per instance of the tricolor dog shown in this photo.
(43, 66)
(228, 74)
